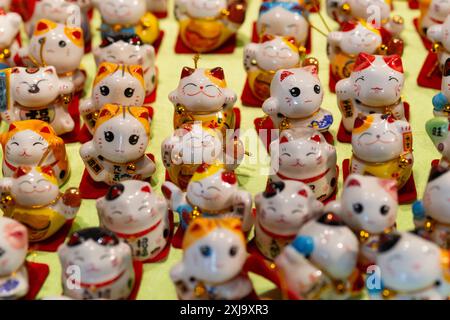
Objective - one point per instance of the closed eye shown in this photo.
(393, 78)
(15, 143)
(116, 212)
(271, 209)
(435, 188)
(360, 78)
(310, 153)
(132, 56)
(104, 256)
(213, 188)
(79, 258)
(189, 84)
(286, 154)
(38, 143)
(142, 208)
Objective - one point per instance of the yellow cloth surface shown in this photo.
(156, 282)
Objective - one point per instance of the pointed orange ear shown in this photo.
(41, 26)
(104, 112)
(101, 70)
(139, 70)
(45, 129)
(48, 170)
(144, 115)
(218, 73)
(21, 171)
(77, 34)
(146, 189)
(11, 127)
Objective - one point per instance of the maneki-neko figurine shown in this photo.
(203, 96)
(208, 26)
(353, 38)
(27, 142)
(261, 62)
(303, 155)
(118, 84)
(192, 145)
(33, 198)
(368, 206)
(433, 69)
(9, 38)
(116, 152)
(382, 147)
(432, 12)
(211, 193)
(374, 86)
(127, 18)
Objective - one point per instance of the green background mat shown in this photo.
(156, 283)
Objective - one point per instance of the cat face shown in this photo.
(205, 8)
(98, 253)
(212, 191)
(130, 206)
(203, 90)
(298, 92)
(216, 257)
(9, 28)
(369, 203)
(119, 84)
(378, 138)
(13, 246)
(283, 19)
(54, 10)
(439, 9)
(285, 206)
(333, 248)
(377, 80)
(276, 53)
(123, 12)
(58, 45)
(26, 148)
(122, 138)
(408, 262)
(435, 198)
(300, 152)
(36, 87)
(359, 8)
(34, 186)
(359, 39)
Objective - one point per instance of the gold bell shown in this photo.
(310, 61)
(5, 54)
(302, 50)
(387, 294)
(429, 226)
(284, 125)
(199, 290)
(447, 108)
(397, 19)
(131, 168)
(254, 62)
(225, 12)
(195, 213)
(346, 8)
(67, 98)
(436, 47)
(6, 200)
(363, 236)
(403, 163)
(383, 48)
(340, 287)
(180, 109)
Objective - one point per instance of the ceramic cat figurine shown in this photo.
(374, 86)
(137, 215)
(33, 198)
(34, 142)
(214, 255)
(304, 155)
(262, 60)
(113, 84)
(13, 251)
(368, 205)
(295, 100)
(60, 45)
(36, 94)
(431, 213)
(104, 264)
(157, 6)
(130, 51)
(432, 12)
(441, 104)
(411, 268)
(206, 25)
(439, 34)
(353, 38)
(321, 262)
(284, 19)
(117, 150)
(202, 95)
(212, 192)
(192, 145)
(372, 11)
(382, 147)
(126, 18)
(281, 210)
(438, 130)
(9, 44)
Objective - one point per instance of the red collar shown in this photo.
(138, 234)
(13, 168)
(100, 284)
(276, 236)
(436, 21)
(306, 181)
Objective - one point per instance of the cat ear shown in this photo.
(303, 193)
(229, 177)
(218, 73)
(45, 129)
(390, 186)
(311, 69)
(102, 69)
(144, 115)
(139, 70)
(48, 170)
(104, 112)
(41, 26)
(266, 37)
(352, 182)
(363, 61)
(114, 192)
(284, 139)
(21, 171)
(394, 62)
(316, 138)
(284, 74)
(50, 70)
(11, 127)
(186, 72)
(15, 70)
(146, 189)
(359, 121)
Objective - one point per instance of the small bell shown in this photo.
(398, 19)
(67, 98)
(447, 108)
(195, 213)
(346, 8)
(225, 12)
(180, 109)
(363, 236)
(284, 125)
(117, 27)
(310, 61)
(340, 287)
(429, 226)
(302, 50)
(6, 200)
(436, 47)
(254, 62)
(387, 294)
(383, 48)
(403, 163)
(131, 168)
(199, 290)
(5, 54)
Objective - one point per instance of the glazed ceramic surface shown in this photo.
(133, 211)
(117, 150)
(13, 250)
(214, 254)
(96, 265)
(433, 12)
(9, 45)
(439, 33)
